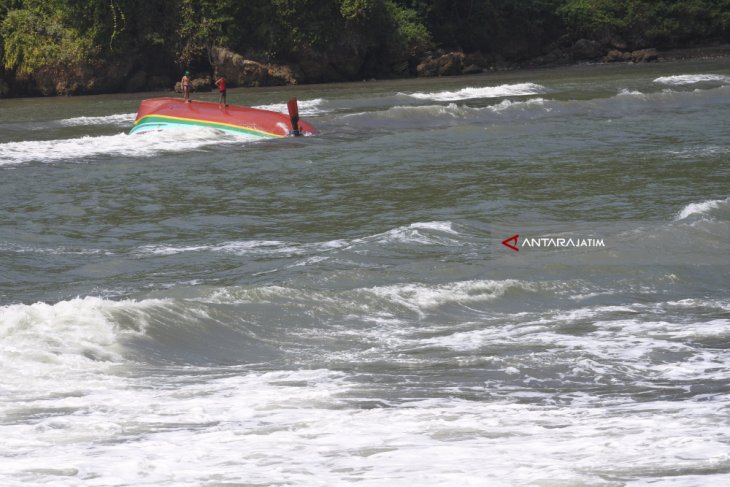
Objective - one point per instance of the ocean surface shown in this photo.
(193, 308)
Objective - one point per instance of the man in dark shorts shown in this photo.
(221, 84)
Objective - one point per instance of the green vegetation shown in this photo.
(40, 36)
(44, 40)
(661, 23)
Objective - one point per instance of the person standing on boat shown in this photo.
(221, 84)
(185, 83)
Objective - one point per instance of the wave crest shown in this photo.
(111, 145)
(517, 89)
(702, 208)
(123, 119)
(306, 107)
(68, 334)
(691, 79)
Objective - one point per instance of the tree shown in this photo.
(37, 36)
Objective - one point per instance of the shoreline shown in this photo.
(662, 56)
(690, 53)
(676, 55)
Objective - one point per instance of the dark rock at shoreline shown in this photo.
(346, 62)
(475, 63)
(204, 83)
(616, 56)
(82, 79)
(704, 52)
(587, 50)
(245, 72)
(449, 64)
(316, 67)
(198, 83)
(555, 57)
(112, 78)
(644, 55)
(50, 81)
(476, 59)
(638, 56)
(457, 63)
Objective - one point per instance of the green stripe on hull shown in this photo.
(151, 122)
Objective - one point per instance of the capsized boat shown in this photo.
(166, 113)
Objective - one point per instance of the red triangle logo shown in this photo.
(512, 245)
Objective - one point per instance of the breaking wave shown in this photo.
(77, 149)
(702, 209)
(691, 79)
(424, 233)
(459, 110)
(518, 89)
(306, 107)
(121, 119)
(69, 334)
(635, 93)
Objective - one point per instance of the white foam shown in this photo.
(439, 226)
(234, 247)
(426, 233)
(518, 89)
(424, 297)
(702, 208)
(372, 303)
(700, 303)
(51, 250)
(189, 425)
(612, 341)
(703, 150)
(511, 105)
(426, 112)
(246, 247)
(69, 334)
(299, 428)
(690, 79)
(631, 93)
(139, 145)
(123, 119)
(451, 111)
(631, 344)
(306, 107)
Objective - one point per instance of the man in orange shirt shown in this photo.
(221, 84)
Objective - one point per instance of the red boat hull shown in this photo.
(168, 113)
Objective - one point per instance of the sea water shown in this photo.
(194, 308)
